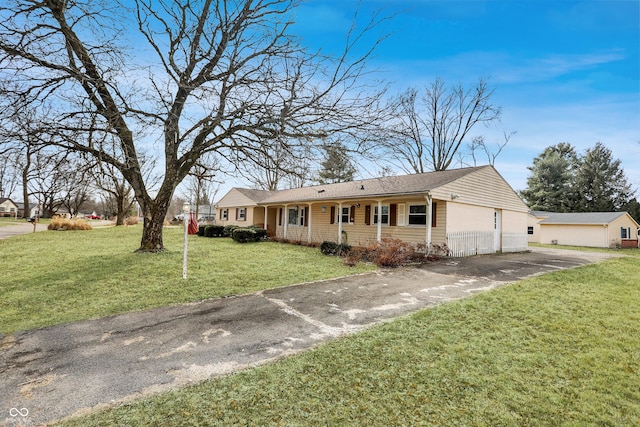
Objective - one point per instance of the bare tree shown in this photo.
(491, 151)
(281, 165)
(117, 194)
(201, 179)
(211, 76)
(427, 131)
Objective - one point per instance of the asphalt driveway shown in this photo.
(74, 368)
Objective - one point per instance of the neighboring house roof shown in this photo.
(582, 218)
(4, 199)
(373, 187)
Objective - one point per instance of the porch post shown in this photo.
(340, 223)
(380, 221)
(266, 213)
(309, 224)
(429, 221)
(285, 214)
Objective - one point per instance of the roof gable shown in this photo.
(242, 197)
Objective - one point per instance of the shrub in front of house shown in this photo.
(228, 230)
(261, 233)
(333, 248)
(248, 234)
(214, 231)
(201, 230)
(391, 253)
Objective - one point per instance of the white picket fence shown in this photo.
(514, 242)
(468, 243)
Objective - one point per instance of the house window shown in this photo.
(345, 215)
(224, 214)
(417, 214)
(296, 216)
(1, 208)
(385, 215)
(529, 230)
(625, 233)
(241, 214)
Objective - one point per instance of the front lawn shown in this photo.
(562, 349)
(60, 276)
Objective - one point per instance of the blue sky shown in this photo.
(563, 71)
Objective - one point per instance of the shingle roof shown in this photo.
(384, 186)
(582, 217)
(255, 195)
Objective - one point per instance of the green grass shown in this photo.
(61, 276)
(561, 349)
(626, 251)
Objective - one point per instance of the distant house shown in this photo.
(594, 229)
(33, 210)
(472, 210)
(8, 207)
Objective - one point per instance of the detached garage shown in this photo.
(595, 229)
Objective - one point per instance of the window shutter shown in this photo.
(367, 215)
(333, 215)
(393, 213)
(434, 210)
(280, 217)
(306, 216)
(237, 211)
(352, 215)
(401, 215)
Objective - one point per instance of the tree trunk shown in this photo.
(155, 212)
(120, 210)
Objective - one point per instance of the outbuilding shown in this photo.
(594, 229)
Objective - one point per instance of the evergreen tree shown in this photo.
(337, 166)
(550, 185)
(633, 207)
(600, 182)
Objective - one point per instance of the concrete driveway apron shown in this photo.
(74, 368)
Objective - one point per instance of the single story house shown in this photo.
(8, 207)
(471, 210)
(595, 229)
(33, 210)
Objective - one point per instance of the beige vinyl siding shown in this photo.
(534, 221)
(577, 235)
(623, 222)
(514, 222)
(463, 217)
(484, 187)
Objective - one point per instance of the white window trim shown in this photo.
(242, 214)
(426, 215)
(374, 215)
(348, 214)
(299, 216)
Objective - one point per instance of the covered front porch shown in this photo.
(357, 222)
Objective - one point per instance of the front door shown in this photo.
(497, 230)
